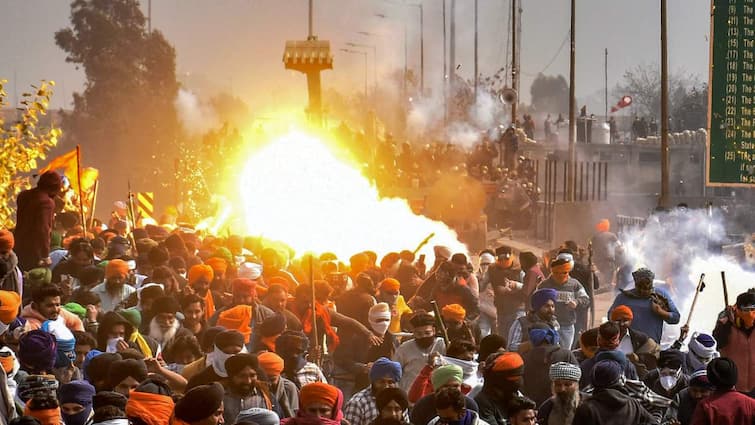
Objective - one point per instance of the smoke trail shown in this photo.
(675, 246)
(196, 117)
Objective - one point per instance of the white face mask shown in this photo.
(183, 275)
(380, 328)
(669, 382)
(112, 345)
(3, 328)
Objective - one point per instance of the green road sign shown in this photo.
(731, 108)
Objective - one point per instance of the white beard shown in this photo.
(158, 335)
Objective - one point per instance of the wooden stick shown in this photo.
(694, 300)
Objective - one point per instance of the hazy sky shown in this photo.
(237, 44)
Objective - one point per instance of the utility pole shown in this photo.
(149, 17)
(452, 47)
(476, 72)
(310, 34)
(572, 104)
(606, 81)
(422, 50)
(664, 201)
(513, 62)
(445, 70)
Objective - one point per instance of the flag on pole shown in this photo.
(66, 161)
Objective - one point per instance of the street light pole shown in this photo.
(664, 201)
(357, 52)
(374, 60)
(572, 103)
(476, 73)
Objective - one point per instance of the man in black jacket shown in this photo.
(610, 404)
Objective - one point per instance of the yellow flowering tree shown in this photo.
(24, 142)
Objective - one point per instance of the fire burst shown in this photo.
(296, 191)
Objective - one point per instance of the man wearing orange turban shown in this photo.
(219, 266)
(570, 294)
(237, 318)
(284, 391)
(9, 303)
(389, 293)
(114, 290)
(639, 348)
(10, 274)
(199, 278)
(604, 245)
(319, 401)
(458, 328)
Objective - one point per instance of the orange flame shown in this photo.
(296, 191)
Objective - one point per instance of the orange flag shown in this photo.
(67, 161)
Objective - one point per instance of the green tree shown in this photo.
(550, 94)
(688, 98)
(24, 142)
(125, 119)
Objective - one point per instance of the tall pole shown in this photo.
(664, 201)
(445, 70)
(149, 17)
(605, 68)
(572, 102)
(513, 62)
(421, 50)
(406, 58)
(452, 46)
(310, 32)
(476, 64)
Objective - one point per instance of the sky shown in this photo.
(236, 45)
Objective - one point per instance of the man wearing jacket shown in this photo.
(570, 294)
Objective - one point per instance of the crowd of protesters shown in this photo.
(163, 325)
(510, 180)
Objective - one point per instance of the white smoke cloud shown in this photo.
(675, 246)
(196, 116)
(426, 117)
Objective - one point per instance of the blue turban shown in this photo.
(615, 355)
(541, 296)
(539, 335)
(88, 358)
(384, 367)
(606, 373)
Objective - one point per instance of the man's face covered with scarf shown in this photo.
(76, 402)
(292, 348)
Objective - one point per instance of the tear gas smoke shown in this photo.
(196, 117)
(676, 246)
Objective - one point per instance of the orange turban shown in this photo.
(200, 271)
(271, 363)
(237, 318)
(603, 225)
(7, 242)
(9, 303)
(151, 409)
(243, 286)
(622, 312)
(510, 363)
(390, 284)
(277, 280)
(115, 268)
(219, 266)
(454, 312)
(318, 392)
(44, 416)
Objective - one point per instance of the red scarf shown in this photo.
(324, 316)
